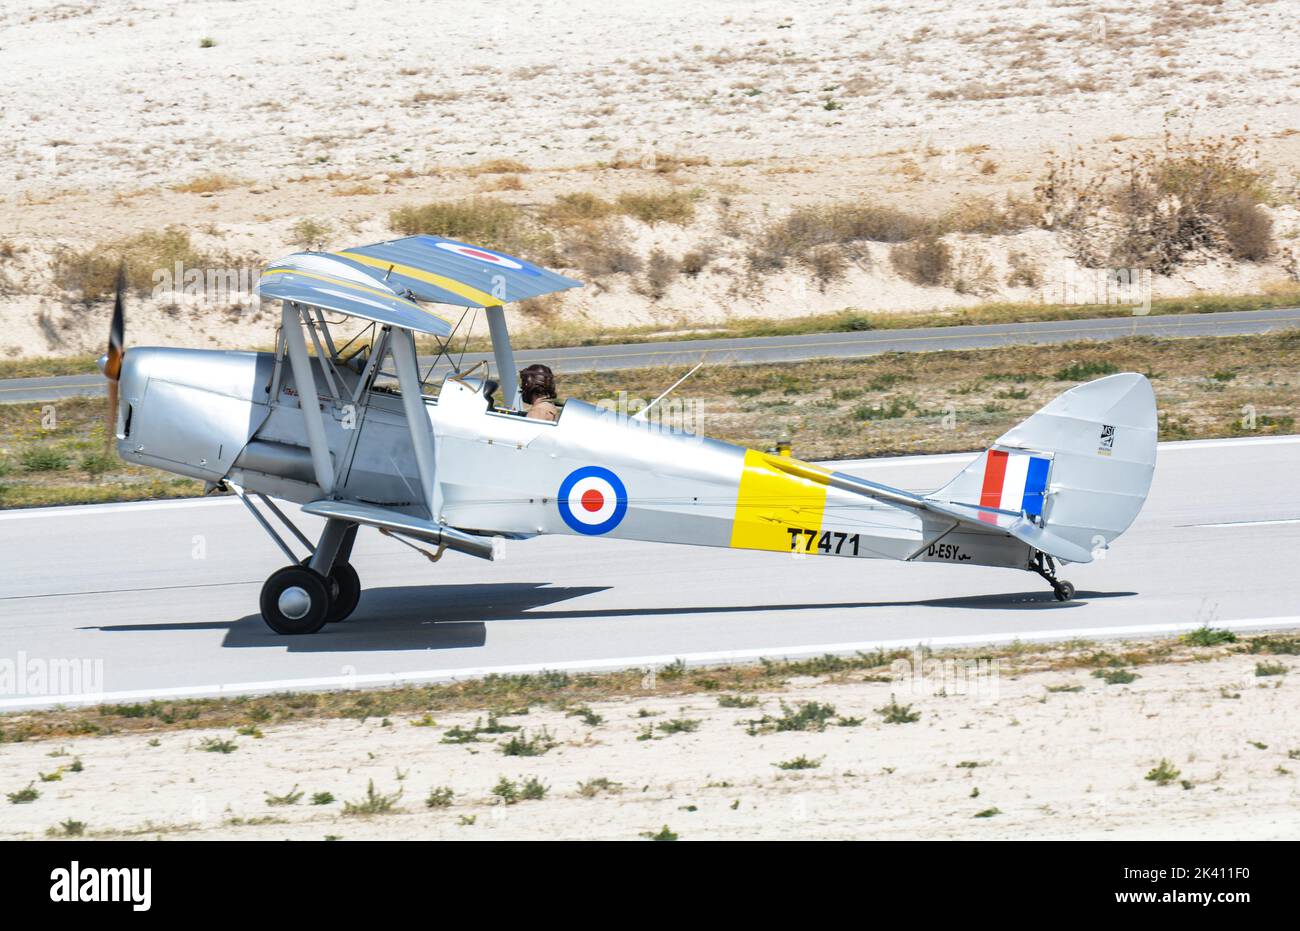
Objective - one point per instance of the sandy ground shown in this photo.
(1052, 765)
(384, 104)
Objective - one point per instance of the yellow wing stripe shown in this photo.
(343, 282)
(419, 274)
(773, 501)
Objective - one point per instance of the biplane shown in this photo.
(352, 432)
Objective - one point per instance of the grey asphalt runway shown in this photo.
(164, 594)
(686, 353)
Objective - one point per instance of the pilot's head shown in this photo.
(535, 383)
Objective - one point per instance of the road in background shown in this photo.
(774, 349)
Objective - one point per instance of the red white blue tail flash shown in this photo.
(1014, 482)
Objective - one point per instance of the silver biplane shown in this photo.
(350, 431)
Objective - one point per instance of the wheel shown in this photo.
(346, 592)
(295, 600)
(1063, 590)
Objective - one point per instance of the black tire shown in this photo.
(1064, 591)
(346, 592)
(312, 588)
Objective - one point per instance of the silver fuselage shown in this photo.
(234, 416)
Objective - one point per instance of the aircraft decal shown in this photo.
(592, 500)
(1013, 482)
(770, 503)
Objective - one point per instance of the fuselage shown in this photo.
(234, 416)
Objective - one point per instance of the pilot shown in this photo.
(537, 388)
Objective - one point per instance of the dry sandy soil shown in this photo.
(377, 105)
(1034, 759)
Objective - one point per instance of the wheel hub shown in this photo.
(294, 602)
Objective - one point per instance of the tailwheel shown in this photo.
(295, 600)
(1045, 566)
(346, 592)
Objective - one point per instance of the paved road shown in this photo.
(165, 593)
(685, 353)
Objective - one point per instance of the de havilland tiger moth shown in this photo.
(349, 431)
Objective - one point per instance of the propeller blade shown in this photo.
(117, 330)
(116, 350)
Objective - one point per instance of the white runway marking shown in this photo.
(631, 662)
(1250, 523)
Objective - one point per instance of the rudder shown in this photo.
(1083, 463)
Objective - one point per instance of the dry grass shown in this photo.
(807, 229)
(91, 273)
(504, 695)
(480, 220)
(498, 166)
(577, 208)
(208, 184)
(676, 206)
(596, 249)
(925, 261)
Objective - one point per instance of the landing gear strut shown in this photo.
(321, 589)
(1045, 566)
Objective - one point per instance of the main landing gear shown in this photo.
(321, 589)
(1045, 566)
(299, 600)
(302, 599)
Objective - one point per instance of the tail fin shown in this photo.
(1083, 464)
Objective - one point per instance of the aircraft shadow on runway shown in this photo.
(444, 617)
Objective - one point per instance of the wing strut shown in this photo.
(305, 383)
(507, 374)
(417, 418)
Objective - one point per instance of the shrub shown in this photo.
(1083, 371)
(482, 221)
(677, 207)
(807, 228)
(207, 184)
(661, 271)
(92, 272)
(581, 206)
(1024, 271)
(982, 215)
(1163, 774)
(926, 261)
(43, 459)
(310, 234)
(596, 250)
(694, 262)
(1163, 205)
(439, 797)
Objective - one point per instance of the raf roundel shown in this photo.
(592, 500)
(482, 255)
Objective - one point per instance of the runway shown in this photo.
(795, 348)
(164, 594)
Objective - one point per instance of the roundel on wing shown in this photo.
(592, 500)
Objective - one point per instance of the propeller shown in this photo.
(112, 363)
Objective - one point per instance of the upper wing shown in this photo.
(386, 281)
